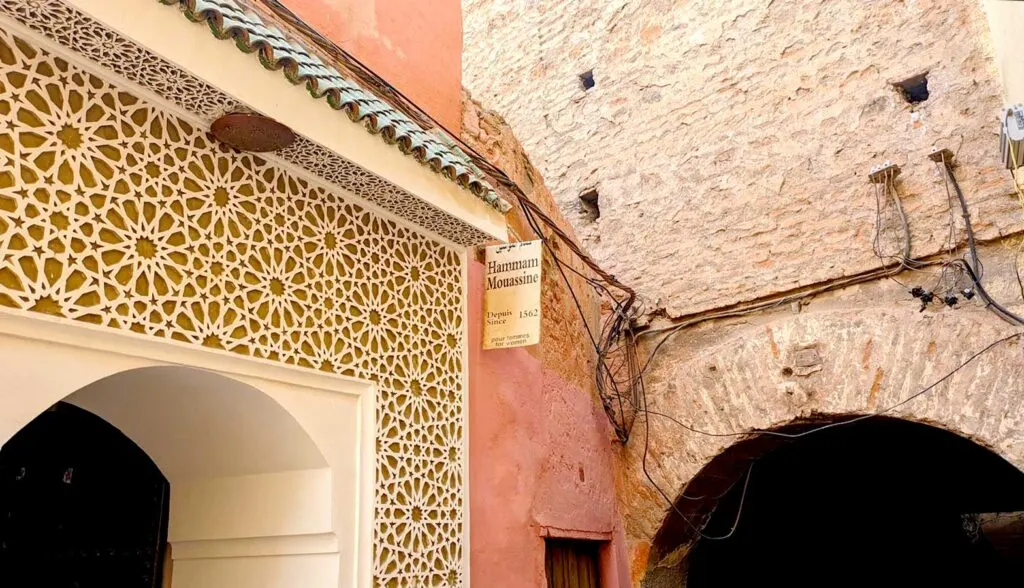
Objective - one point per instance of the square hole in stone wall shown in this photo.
(587, 79)
(589, 205)
(914, 89)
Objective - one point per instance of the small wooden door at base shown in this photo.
(573, 564)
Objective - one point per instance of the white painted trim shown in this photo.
(256, 547)
(362, 575)
(57, 331)
(464, 259)
(164, 31)
(48, 44)
(31, 325)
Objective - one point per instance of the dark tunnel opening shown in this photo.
(882, 502)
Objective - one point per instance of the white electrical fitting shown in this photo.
(1011, 136)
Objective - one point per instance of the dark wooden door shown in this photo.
(573, 564)
(81, 506)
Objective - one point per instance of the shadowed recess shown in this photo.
(880, 502)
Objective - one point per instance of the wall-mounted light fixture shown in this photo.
(251, 132)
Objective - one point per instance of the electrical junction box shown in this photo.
(1011, 136)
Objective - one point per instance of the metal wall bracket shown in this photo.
(883, 173)
(941, 155)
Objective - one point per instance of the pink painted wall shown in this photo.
(416, 45)
(540, 463)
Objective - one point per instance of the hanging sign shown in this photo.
(512, 295)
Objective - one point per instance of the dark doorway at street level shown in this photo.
(81, 506)
(572, 563)
(882, 502)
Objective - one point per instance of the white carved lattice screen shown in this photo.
(117, 213)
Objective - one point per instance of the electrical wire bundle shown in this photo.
(617, 375)
(971, 264)
(958, 278)
(892, 230)
(892, 246)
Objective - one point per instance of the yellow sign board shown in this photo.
(512, 295)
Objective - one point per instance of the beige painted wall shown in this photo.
(289, 503)
(1006, 23)
(311, 570)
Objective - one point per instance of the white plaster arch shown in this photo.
(863, 360)
(271, 467)
(197, 423)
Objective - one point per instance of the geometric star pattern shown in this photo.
(116, 213)
(72, 29)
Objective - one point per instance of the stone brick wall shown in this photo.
(563, 346)
(730, 140)
(870, 349)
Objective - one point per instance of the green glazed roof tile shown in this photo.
(228, 19)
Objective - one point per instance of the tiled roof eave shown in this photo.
(227, 19)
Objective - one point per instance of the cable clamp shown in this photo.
(941, 155)
(883, 173)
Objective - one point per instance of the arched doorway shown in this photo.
(270, 467)
(80, 505)
(876, 503)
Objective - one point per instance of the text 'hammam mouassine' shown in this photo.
(494, 282)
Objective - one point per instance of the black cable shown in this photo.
(575, 299)
(672, 504)
(753, 432)
(612, 331)
(971, 243)
(718, 496)
(974, 267)
(888, 409)
(763, 306)
(990, 303)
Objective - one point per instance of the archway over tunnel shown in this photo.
(878, 502)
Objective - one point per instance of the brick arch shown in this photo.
(822, 365)
(676, 548)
